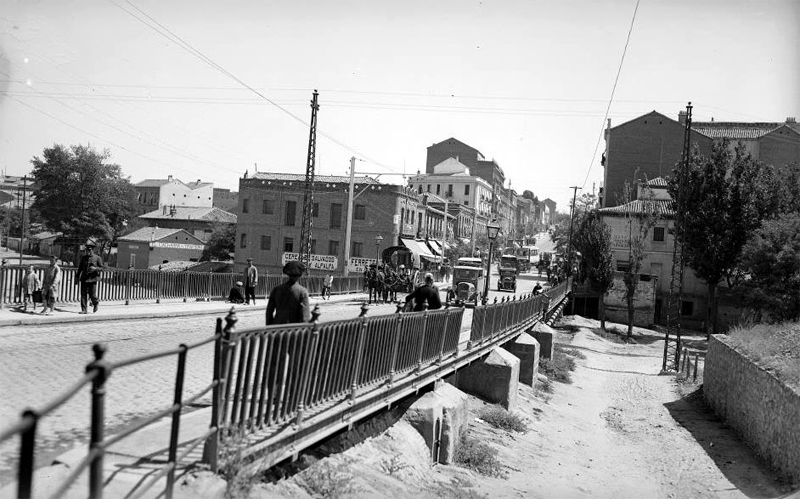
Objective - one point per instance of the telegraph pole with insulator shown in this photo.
(308, 196)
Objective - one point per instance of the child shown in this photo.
(30, 283)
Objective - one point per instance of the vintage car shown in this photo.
(468, 283)
(508, 269)
(468, 261)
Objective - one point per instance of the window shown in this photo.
(438, 189)
(245, 205)
(288, 244)
(336, 216)
(268, 207)
(133, 260)
(402, 215)
(360, 212)
(266, 243)
(658, 234)
(420, 188)
(313, 246)
(243, 240)
(291, 212)
(358, 249)
(412, 217)
(622, 265)
(450, 190)
(429, 187)
(333, 247)
(315, 210)
(687, 308)
(466, 190)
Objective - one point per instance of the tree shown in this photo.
(593, 240)
(82, 195)
(645, 215)
(771, 259)
(221, 244)
(722, 198)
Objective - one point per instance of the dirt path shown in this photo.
(620, 430)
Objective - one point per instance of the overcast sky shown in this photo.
(526, 82)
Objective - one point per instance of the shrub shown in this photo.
(559, 367)
(328, 480)
(479, 456)
(502, 419)
(774, 347)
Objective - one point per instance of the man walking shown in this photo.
(326, 287)
(50, 284)
(250, 282)
(87, 276)
(425, 293)
(288, 302)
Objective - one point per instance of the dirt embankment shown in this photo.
(619, 430)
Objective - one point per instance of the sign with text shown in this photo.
(158, 244)
(316, 262)
(359, 265)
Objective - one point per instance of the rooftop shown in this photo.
(664, 207)
(301, 177)
(147, 234)
(209, 214)
(734, 130)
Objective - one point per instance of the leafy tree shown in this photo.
(723, 199)
(593, 240)
(221, 244)
(641, 219)
(771, 258)
(81, 194)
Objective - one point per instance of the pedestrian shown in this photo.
(250, 282)
(427, 293)
(537, 289)
(87, 276)
(50, 285)
(288, 302)
(326, 287)
(30, 285)
(235, 295)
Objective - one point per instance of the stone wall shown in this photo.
(755, 403)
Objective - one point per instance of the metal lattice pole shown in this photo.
(308, 197)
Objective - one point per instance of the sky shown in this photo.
(208, 90)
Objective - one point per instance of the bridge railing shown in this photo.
(154, 285)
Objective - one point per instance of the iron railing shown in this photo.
(156, 285)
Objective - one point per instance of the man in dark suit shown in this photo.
(87, 276)
(427, 293)
(288, 302)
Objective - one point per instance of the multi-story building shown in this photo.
(154, 194)
(649, 146)
(225, 199)
(452, 180)
(200, 222)
(270, 221)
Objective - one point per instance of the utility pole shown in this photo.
(571, 219)
(308, 197)
(348, 233)
(22, 221)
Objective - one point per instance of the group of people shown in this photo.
(46, 289)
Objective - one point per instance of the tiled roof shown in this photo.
(663, 207)
(152, 182)
(147, 234)
(657, 182)
(301, 177)
(734, 131)
(207, 214)
(197, 185)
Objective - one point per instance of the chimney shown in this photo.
(198, 180)
(169, 178)
(682, 117)
(791, 119)
(165, 210)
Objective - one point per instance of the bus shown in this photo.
(528, 257)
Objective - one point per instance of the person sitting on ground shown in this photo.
(237, 293)
(427, 293)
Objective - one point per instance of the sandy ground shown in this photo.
(619, 430)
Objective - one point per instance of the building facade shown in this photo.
(200, 222)
(152, 246)
(154, 194)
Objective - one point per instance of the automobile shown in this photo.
(468, 261)
(468, 283)
(508, 268)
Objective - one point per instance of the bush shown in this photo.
(478, 456)
(773, 347)
(502, 419)
(559, 367)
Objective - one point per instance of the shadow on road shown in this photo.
(724, 446)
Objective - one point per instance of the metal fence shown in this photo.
(155, 285)
(689, 363)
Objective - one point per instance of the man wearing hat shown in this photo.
(87, 276)
(427, 293)
(288, 302)
(250, 282)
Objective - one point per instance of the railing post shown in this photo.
(696, 365)
(211, 446)
(422, 340)
(310, 363)
(396, 345)
(186, 277)
(210, 285)
(128, 285)
(444, 336)
(26, 455)
(3, 269)
(362, 336)
(666, 343)
(98, 420)
(177, 406)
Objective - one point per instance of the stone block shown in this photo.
(440, 417)
(526, 348)
(544, 335)
(425, 415)
(494, 379)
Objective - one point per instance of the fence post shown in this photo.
(666, 343)
(210, 285)
(98, 420)
(26, 455)
(158, 284)
(186, 277)
(310, 363)
(395, 345)
(3, 268)
(211, 446)
(128, 285)
(362, 336)
(422, 340)
(177, 406)
(696, 364)
(444, 336)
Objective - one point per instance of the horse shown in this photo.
(375, 283)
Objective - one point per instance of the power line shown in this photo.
(613, 90)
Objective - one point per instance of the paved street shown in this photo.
(41, 361)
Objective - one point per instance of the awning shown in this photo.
(418, 247)
(435, 246)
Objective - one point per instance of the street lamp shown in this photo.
(492, 229)
(378, 240)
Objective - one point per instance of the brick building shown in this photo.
(152, 246)
(270, 218)
(225, 199)
(653, 144)
(199, 221)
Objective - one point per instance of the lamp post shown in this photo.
(378, 240)
(492, 229)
